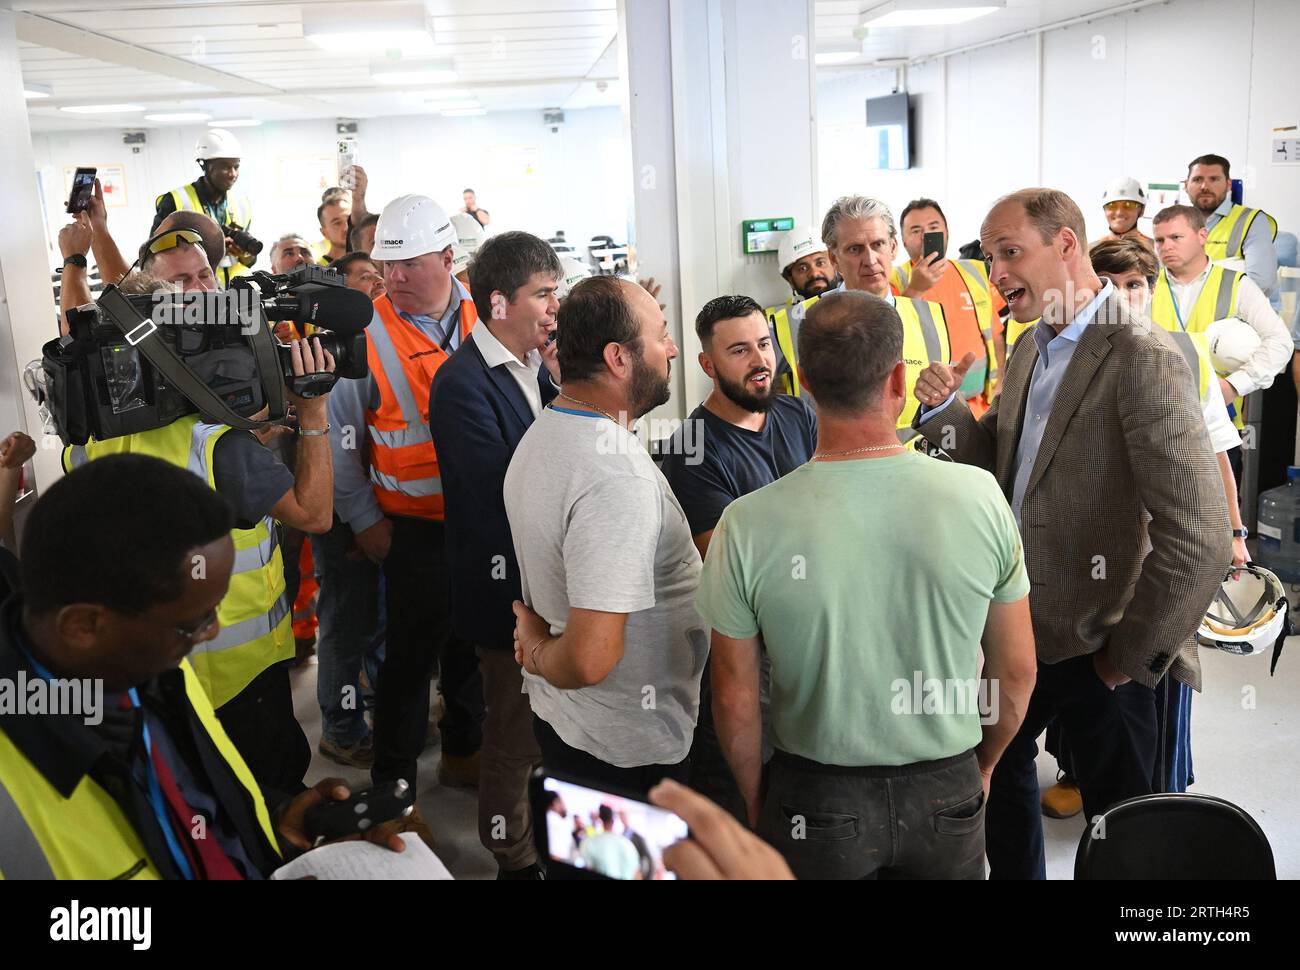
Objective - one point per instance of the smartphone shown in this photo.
(359, 812)
(83, 187)
(347, 157)
(933, 243)
(585, 831)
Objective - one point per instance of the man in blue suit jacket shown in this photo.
(481, 403)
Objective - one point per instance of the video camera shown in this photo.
(132, 363)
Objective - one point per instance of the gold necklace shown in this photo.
(587, 405)
(854, 451)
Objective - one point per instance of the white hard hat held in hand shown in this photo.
(411, 226)
(217, 143)
(1124, 189)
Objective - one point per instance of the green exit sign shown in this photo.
(762, 235)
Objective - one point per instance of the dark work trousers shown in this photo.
(261, 724)
(916, 821)
(583, 767)
(418, 639)
(1112, 744)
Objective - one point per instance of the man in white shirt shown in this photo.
(1191, 293)
(612, 646)
(481, 403)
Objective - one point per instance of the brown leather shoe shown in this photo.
(457, 771)
(1062, 800)
(415, 823)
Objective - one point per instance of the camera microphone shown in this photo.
(334, 308)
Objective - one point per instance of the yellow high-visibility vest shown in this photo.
(1217, 299)
(256, 618)
(1014, 329)
(1227, 238)
(983, 376)
(86, 835)
(1196, 351)
(238, 212)
(925, 341)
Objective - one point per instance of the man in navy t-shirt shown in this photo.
(744, 436)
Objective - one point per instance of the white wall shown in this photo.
(1136, 94)
(579, 182)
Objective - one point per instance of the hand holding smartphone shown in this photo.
(83, 188)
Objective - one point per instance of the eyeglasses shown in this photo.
(172, 239)
(1127, 204)
(193, 632)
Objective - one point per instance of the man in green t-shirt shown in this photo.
(889, 572)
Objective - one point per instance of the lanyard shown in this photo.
(156, 797)
(155, 789)
(1173, 298)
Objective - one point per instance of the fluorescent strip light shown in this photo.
(838, 57)
(179, 116)
(930, 17)
(415, 77)
(464, 112)
(460, 104)
(102, 109)
(407, 41)
(235, 123)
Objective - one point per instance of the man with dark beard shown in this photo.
(744, 436)
(806, 266)
(610, 643)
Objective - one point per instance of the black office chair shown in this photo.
(1174, 836)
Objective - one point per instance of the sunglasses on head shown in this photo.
(173, 238)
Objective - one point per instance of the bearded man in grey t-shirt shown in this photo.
(610, 642)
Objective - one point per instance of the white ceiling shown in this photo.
(239, 59)
(837, 21)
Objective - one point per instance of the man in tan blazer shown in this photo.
(1099, 445)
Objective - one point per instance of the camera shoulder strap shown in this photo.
(144, 338)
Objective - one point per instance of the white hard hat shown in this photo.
(796, 244)
(217, 143)
(572, 272)
(459, 259)
(1248, 614)
(469, 232)
(1232, 343)
(411, 226)
(1124, 189)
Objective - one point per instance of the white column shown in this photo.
(720, 107)
(28, 316)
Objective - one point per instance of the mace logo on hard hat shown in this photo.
(424, 225)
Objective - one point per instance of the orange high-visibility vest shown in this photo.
(403, 464)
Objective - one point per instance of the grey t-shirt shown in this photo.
(248, 476)
(596, 527)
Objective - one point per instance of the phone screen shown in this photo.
(83, 186)
(605, 834)
(933, 243)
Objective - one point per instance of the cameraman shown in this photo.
(242, 668)
(218, 154)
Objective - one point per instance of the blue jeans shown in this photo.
(350, 609)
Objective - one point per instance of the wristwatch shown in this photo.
(1241, 533)
(76, 259)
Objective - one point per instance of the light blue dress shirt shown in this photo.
(1257, 249)
(1055, 351)
(354, 497)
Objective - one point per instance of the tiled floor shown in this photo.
(1245, 739)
